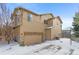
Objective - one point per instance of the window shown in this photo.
(17, 20)
(29, 17)
(18, 12)
(45, 22)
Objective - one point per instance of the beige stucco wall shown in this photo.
(45, 17)
(52, 34)
(47, 34)
(32, 26)
(57, 28)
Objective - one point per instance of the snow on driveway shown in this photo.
(54, 47)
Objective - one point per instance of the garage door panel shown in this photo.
(33, 38)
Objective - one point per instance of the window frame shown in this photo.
(29, 17)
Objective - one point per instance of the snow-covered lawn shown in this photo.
(54, 47)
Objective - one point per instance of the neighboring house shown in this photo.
(53, 27)
(30, 28)
(57, 27)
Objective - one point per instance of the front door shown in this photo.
(47, 34)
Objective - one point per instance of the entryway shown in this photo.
(47, 34)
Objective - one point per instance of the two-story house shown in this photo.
(31, 28)
(27, 26)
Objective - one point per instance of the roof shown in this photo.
(47, 14)
(59, 18)
(54, 18)
(26, 10)
(50, 19)
(36, 13)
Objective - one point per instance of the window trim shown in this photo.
(29, 17)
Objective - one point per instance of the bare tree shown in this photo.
(5, 22)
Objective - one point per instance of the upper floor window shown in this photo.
(45, 22)
(18, 12)
(16, 20)
(29, 17)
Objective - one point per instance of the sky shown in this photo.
(66, 11)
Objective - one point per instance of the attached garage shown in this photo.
(33, 37)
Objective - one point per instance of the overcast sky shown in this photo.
(65, 10)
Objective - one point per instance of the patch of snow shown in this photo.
(54, 47)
